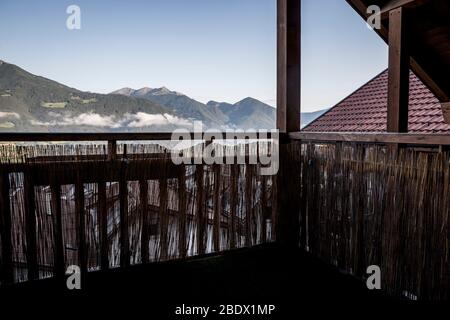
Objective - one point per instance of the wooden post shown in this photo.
(288, 113)
(264, 212)
(143, 192)
(163, 218)
(81, 224)
(248, 204)
(30, 227)
(112, 150)
(199, 177)
(288, 65)
(57, 231)
(233, 198)
(103, 225)
(124, 236)
(217, 207)
(182, 248)
(288, 199)
(398, 79)
(6, 267)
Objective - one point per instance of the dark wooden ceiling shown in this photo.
(428, 30)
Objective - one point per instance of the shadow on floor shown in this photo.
(268, 274)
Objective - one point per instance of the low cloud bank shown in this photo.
(9, 115)
(142, 119)
(137, 120)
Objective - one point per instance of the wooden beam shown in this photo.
(112, 137)
(374, 138)
(288, 65)
(398, 78)
(423, 68)
(446, 111)
(395, 4)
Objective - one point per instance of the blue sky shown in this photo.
(222, 50)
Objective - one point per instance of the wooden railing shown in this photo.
(100, 209)
(374, 138)
(353, 200)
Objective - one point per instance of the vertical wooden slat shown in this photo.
(233, 204)
(102, 217)
(217, 207)
(274, 209)
(124, 234)
(30, 227)
(360, 253)
(57, 231)
(288, 65)
(112, 150)
(248, 204)
(398, 78)
(303, 200)
(182, 213)
(264, 213)
(199, 181)
(6, 267)
(163, 218)
(81, 224)
(143, 192)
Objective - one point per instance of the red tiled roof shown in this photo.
(366, 109)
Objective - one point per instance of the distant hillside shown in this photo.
(248, 113)
(33, 103)
(308, 117)
(179, 104)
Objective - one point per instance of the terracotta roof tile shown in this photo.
(366, 110)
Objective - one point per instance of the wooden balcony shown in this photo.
(350, 200)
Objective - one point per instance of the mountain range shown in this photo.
(30, 103)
